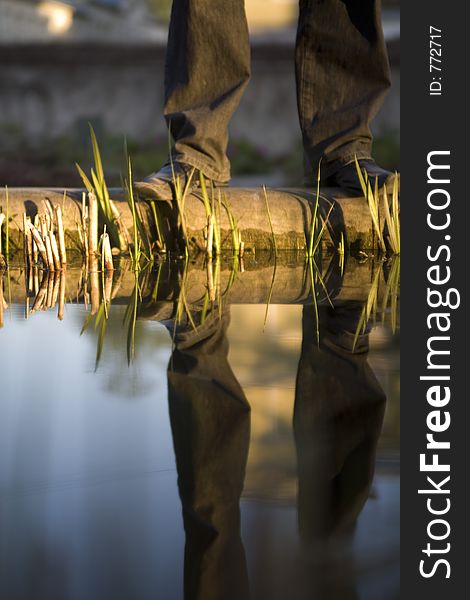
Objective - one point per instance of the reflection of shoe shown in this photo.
(161, 184)
(346, 177)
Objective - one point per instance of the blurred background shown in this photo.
(64, 63)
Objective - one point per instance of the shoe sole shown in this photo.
(165, 191)
(358, 191)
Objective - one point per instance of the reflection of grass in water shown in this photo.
(275, 256)
(316, 277)
(391, 293)
(100, 322)
(130, 316)
(130, 319)
(341, 253)
(392, 217)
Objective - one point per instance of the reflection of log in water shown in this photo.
(60, 312)
(255, 285)
(108, 286)
(94, 278)
(41, 295)
(3, 304)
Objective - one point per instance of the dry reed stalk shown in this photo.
(41, 248)
(55, 251)
(210, 235)
(61, 235)
(47, 243)
(48, 221)
(29, 241)
(49, 211)
(35, 246)
(92, 225)
(107, 255)
(60, 311)
(50, 257)
(35, 280)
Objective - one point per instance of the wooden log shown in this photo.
(291, 214)
(2, 303)
(108, 286)
(62, 288)
(61, 235)
(94, 283)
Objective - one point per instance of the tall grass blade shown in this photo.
(313, 226)
(270, 220)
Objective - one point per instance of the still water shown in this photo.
(206, 441)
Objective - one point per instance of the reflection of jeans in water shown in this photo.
(210, 422)
(337, 420)
(342, 75)
(339, 408)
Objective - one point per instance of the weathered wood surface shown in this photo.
(291, 213)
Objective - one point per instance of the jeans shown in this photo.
(342, 75)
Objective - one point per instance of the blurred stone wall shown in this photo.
(50, 90)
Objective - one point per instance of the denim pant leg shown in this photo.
(342, 75)
(207, 70)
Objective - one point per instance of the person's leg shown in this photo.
(207, 70)
(342, 75)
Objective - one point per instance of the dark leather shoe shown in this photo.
(346, 177)
(161, 185)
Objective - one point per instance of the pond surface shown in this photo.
(226, 440)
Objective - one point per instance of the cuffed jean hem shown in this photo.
(201, 162)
